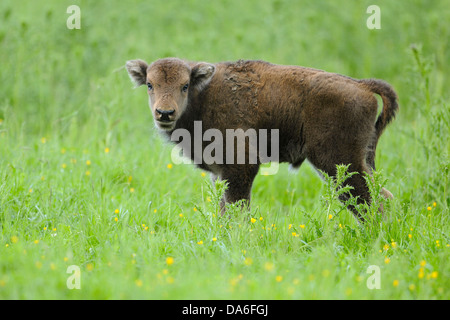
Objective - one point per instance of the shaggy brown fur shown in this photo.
(326, 118)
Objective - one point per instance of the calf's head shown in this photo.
(170, 81)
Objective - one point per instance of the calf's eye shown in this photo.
(149, 85)
(185, 87)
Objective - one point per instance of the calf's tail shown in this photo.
(389, 98)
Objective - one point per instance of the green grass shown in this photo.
(64, 100)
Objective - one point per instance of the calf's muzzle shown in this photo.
(164, 115)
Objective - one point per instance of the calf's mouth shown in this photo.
(165, 124)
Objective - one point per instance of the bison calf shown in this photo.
(326, 118)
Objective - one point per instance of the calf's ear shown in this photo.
(137, 70)
(202, 74)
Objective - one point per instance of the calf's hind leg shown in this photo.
(357, 181)
(370, 160)
(360, 189)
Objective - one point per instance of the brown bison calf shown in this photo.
(326, 118)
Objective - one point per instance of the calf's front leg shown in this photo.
(240, 179)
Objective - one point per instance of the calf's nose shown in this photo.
(168, 112)
(164, 114)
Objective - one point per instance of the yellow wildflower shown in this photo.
(268, 266)
(170, 280)
(421, 273)
(248, 261)
(169, 261)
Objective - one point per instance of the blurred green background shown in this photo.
(49, 72)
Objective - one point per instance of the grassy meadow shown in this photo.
(86, 180)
